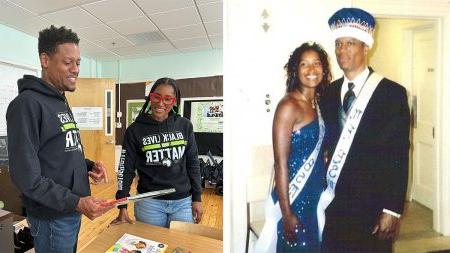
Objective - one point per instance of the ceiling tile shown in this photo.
(211, 12)
(99, 23)
(32, 26)
(112, 43)
(195, 49)
(214, 28)
(73, 18)
(176, 18)
(146, 38)
(199, 2)
(130, 50)
(144, 49)
(194, 42)
(135, 56)
(216, 41)
(113, 10)
(46, 6)
(185, 32)
(134, 25)
(156, 6)
(102, 54)
(97, 32)
(87, 47)
(10, 13)
(160, 47)
(164, 52)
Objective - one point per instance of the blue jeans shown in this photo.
(55, 236)
(160, 212)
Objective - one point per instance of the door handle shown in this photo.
(110, 142)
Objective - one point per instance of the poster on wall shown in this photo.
(88, 118)
(207, 116)
(9, 74)
(133, 108)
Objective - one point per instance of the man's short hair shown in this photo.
(51, 37)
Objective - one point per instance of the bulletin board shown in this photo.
(133, 108)
(206, 115)
(9, 74)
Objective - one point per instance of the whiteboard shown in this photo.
(9, 74)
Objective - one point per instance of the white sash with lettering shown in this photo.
(345, 141)
(267, 241)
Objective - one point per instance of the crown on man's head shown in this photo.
(353, 22)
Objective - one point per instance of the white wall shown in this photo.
(253, 67)
(388, 54)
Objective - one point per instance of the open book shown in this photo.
(135, 244)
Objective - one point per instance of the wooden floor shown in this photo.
(212, 212)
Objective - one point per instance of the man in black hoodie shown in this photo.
(46, 157)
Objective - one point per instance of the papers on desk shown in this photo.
(134, 244)
(19, 225)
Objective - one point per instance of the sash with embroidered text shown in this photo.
(343, 146)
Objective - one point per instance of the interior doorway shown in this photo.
(406, 52)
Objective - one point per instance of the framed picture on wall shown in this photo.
(206, 115)
(133, 108)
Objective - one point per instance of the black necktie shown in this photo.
(349, 97)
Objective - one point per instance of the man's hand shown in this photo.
(98, 173)
(122, 218)
(197, 211)
(387, 227)
(92, 207)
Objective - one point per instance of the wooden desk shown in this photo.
(189, 242)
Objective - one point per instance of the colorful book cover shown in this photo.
(135, 244)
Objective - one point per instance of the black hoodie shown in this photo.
(46, 159)
(164, 154)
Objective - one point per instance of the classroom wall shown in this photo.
(18, 47)
(21, 49)
(182, 65)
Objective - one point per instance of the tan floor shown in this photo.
(416, 232)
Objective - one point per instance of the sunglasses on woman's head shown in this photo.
(167, 100)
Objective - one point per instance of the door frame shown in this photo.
(384, 9)
(408, 41)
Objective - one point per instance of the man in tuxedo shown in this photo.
(370, 187)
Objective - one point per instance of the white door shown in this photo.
(424, 143)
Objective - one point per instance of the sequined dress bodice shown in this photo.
(303, 142)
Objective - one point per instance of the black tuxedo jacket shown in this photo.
(375, 172)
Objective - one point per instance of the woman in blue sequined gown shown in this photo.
(295, 135)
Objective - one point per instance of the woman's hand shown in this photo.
(197, 211)
(291, 226)
(122, 218)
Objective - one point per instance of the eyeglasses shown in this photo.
(167, 100)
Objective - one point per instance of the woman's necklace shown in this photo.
(312, 102)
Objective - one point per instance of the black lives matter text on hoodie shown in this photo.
(46, 159)
(165, 156)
